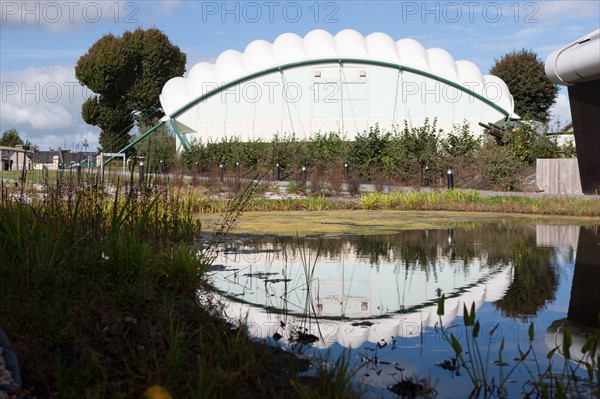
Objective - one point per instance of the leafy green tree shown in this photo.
(11, 138)
(368, 150)
(460, 141)
(526, 144)
(159, 149)
(127, 74)
(524, 74)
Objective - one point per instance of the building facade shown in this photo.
(324, 83)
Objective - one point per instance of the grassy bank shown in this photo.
(99, 299)
(442, 200)
(306, 223)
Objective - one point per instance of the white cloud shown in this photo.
(527, 34)
(44, 105)
(166, 7)
(559, 11)
(43, 54)
(66, 16)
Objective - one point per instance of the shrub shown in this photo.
(367, 151)
(500, 168)
(526, 144)
(460, 141)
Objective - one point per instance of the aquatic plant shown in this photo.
(543, 382)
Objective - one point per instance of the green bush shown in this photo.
(460, 141)
(526, 144)
(367, 151)
(499, 166)
(412, 156)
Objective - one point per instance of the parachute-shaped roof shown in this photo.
(318, 45)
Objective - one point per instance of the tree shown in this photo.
(127, 74)
(159, 149)
(11, 138)
(29, 146)
(526, 79)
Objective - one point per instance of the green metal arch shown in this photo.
(339, 60)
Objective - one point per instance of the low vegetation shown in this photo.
(100, 298)
(100, 281)
(414, 156)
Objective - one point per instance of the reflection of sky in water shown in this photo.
(391, 296)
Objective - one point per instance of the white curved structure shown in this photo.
(577, 62)
(343, 83)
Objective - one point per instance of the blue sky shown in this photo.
(41, 41)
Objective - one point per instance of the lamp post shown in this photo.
(450, 178)
(141, 170)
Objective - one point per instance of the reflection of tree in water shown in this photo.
(490, 243)
(534, 283)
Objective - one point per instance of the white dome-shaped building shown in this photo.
(322, 83)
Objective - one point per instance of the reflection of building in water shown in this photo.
(556, 235)
(347, 284)
(389, 295)
(584, 305)
(388, 263)
(353, 333)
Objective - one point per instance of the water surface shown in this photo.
(375, 298)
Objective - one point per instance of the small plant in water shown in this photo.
(542, 383)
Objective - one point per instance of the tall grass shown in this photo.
(100, 297)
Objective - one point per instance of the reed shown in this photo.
(543, 382)
(100, 288)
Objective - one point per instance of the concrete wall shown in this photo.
(558, 176)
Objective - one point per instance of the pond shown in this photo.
(374, 300)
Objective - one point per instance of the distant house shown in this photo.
(15, 158)
(61, 159)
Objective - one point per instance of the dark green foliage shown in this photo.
(460, 141)
(417, 156)
(126, 74)
(414, 152)
(499, 166)
(327, 150)
(100, 298)
(526, 145)
(533, 93)
(158, 146)
(10, 138)
(367, 151)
